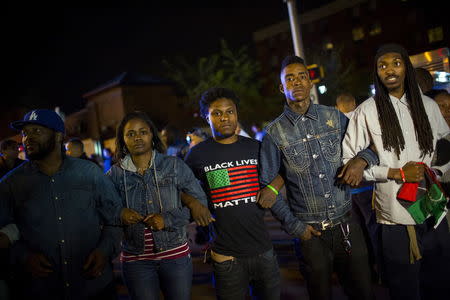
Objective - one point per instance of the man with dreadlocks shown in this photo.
(404, 126)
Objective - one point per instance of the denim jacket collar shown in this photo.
(294, 117)
(127, 163)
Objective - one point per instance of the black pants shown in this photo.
(428, 278)
(261, 272)
(319, 256)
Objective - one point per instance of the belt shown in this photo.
(329, 224)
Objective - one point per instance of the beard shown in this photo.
(43, 149)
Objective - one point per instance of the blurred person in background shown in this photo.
(194, 136)
(346, 104)
(75, 148)
(426, 83)
(240, 131)
(107, 159)
(443, 100)
(258, 132)
(168, 138)
(9, 156)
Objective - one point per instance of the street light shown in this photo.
(297, 40)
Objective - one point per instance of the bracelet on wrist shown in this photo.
(402, 173)
(273, 189)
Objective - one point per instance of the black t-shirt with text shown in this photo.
(229, 176)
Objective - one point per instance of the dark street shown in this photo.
(292, 283)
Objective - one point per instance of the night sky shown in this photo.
(52, 56)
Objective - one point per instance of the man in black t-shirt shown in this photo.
(227, 166)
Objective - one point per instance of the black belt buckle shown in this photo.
(326, 224)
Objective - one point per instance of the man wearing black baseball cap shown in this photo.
(65, 209)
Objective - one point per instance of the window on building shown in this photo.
(375, 29)
(435, 34)
(358, 33)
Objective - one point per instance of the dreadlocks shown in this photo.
(391, 132)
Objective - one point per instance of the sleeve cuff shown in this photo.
(371, 159)
(380, 173)
(12, 232)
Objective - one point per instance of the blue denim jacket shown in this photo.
(64, 217)
(306, 151)
(140, 193)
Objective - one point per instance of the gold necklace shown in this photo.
(150, 162)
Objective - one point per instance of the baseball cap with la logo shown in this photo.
(44, 117)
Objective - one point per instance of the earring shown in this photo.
(125, 150)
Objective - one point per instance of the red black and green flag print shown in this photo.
(233, 183)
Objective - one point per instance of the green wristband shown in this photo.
(273, 189)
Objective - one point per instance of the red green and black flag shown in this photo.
(233, 183)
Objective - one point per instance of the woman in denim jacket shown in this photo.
(155, 253)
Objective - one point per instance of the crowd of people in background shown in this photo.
(332, 177)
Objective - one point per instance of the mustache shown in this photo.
(391, 76)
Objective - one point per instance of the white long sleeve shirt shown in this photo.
(364, 129)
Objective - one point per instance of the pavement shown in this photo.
(293, 285)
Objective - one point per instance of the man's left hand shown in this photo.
(266, 198)
(352, 171)
(95, 264)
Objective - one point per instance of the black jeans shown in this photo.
(319, 256)
(261, 272)
(427, 278)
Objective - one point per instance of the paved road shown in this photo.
(293, 284)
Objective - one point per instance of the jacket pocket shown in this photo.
(297, 155)
(168, 192)
(331, 147)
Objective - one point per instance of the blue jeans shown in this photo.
(144, 279)
(260, 271)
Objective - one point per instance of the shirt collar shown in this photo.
(401, 100)
(311, 113)
(33, 167)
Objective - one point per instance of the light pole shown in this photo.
(297, 40)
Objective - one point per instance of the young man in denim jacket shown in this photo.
(303, 145)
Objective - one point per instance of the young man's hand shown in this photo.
(266, 197)
(201, 214)
(129, 216)
(155, 222)
(38, 265)
(309, 233)
(94, 265)
(352, 171)
(414, 172)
